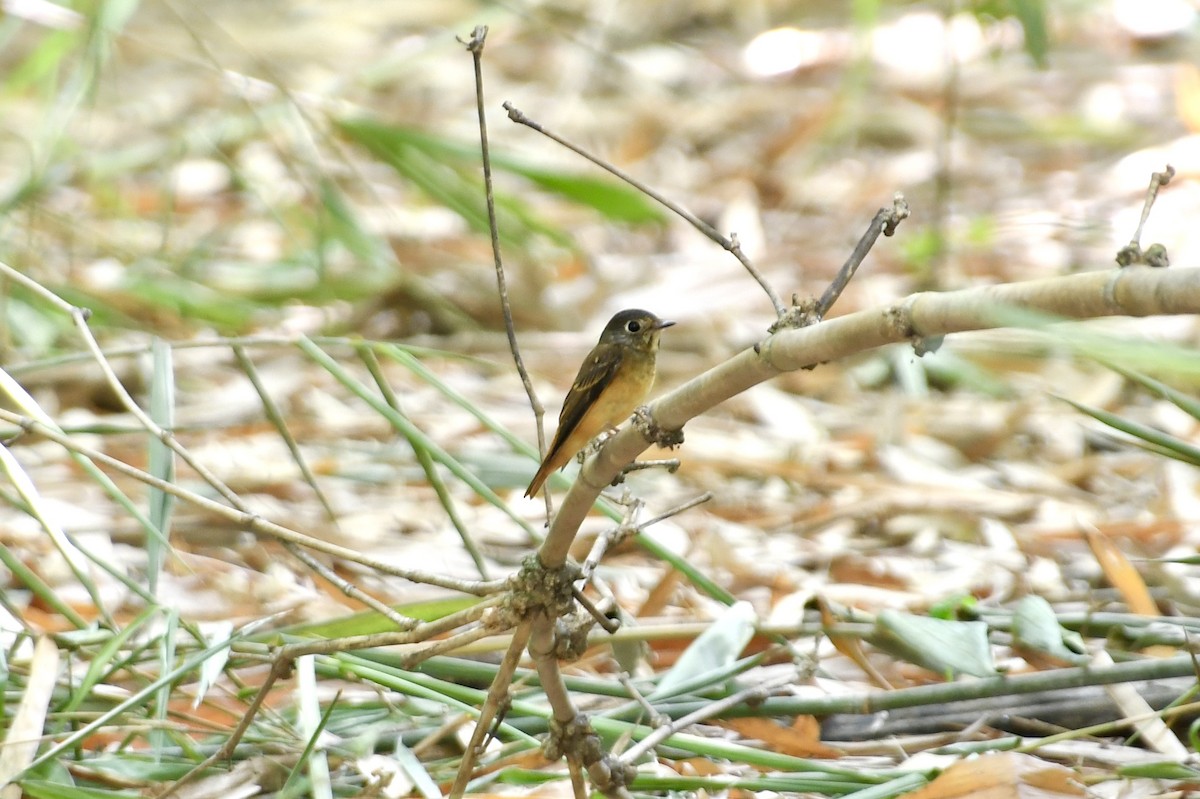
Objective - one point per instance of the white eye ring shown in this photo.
(633, 325)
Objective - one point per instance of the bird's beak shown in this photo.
(659, 324)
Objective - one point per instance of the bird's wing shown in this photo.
(594, 376)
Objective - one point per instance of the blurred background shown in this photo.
(267, 169)
(237, 165)
(274, 212)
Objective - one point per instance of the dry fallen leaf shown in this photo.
(1007, 775)
(802, 739)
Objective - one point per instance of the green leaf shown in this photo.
(713, 650)
(1032, 16)
(369, 622)
(1164, 770)
(1036, 627)
(1184, 402)
(612, 200)
(41, 789)
(161, 461)
(442, 172)
(946, 647)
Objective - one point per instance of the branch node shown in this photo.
(924, 345)
(899, 323)
(898, 214)
(571, 636)
(803, 313)
(644, 421)
(1156, 255)
(538, 589)
(575, 739)
(475, 43)
(610, 775)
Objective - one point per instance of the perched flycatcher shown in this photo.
(615, 378)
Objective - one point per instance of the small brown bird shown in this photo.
(615, 378)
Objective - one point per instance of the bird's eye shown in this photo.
(633, 325)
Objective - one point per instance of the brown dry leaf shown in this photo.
(802, 739)
(1121, 574)
(660, 595)
(699, 766)
(850, 647)
(1007, 775)
(1126, 579)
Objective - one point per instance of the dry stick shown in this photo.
(885, 222)
(578, 786)
(1127, 292)
(251, 521)
(377, 640)
(1132, 252)
(496, 694)
(541, 649)
(500, 685)
(730, 243)
(475, 46)
(278, 669)
(653, 717)
(710, 710)
(349, 589)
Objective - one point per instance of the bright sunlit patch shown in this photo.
(919, 46)
(781, 50)
(1154, 19)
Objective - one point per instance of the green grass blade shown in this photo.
(275, 417)
(102, 663)
(1183, 450)
(410, 431)
(161, 459)
(367, 355)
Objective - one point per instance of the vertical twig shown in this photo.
(475, 47)
(495, 696)
(1155, 254)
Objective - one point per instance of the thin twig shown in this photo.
(675, 511)
(729, 243)
(475, 46)
(598, 614)
(279, 668)
(653, 717)
(609, 538)
(496, 694)
(885, 222)
(348, 588)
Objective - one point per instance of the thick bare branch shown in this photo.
(1135, 291)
